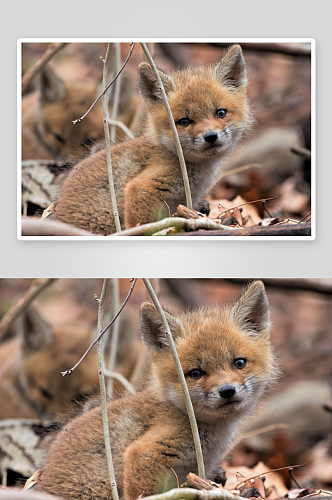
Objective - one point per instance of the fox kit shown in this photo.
(211, 112)
(31, 385)
(227, 361)
(47, 114)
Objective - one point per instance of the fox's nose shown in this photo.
(227, 391)
(211, 137)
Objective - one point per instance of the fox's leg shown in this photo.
(148, 464)
(145, 197)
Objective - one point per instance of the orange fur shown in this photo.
(150, 432)
(147, 173)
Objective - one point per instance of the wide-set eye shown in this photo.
(221, 113)
(184, 122)
(196, 373)
(239, 363)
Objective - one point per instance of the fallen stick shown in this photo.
(37, 286)
(37, 227)
(303, 229)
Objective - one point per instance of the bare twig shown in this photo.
(291, 49)
(240, 169)
(192, 494)
(39, 65)
(306, 218)
(121, 379)
(177, 222)
(295, 481)
(173, 127)
(100, 362)
(189, 406)
(46, 227)
(69, 372)
(305, 153)
(117, 88)
(262, 430)
(200, 483)
(115, 334)
(303, 229)
(106, 88)
(263, 200)
(123, 127)
(267, 472)
(317, 285)
(37, 286)
(108, 143)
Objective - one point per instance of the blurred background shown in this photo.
(273, 160)
(292, 425)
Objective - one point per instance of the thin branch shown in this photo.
(262, 430)
(106, 88)
(268, 472)
(305, 153)
(192, 494)
(100, 362)
(178, 223)
(121, 379)
(189, 406)
(108, 143)
(122, 126)
(117, 88)
(115, 303)
(173, 127)
(38, 227)
(303, 229)
(291, 49)
(37, 286)
(39, 65)
(240, 169)
(69, 372)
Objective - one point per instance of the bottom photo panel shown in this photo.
(194, 389)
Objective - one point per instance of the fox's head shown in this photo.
(209, 105)
(225, 354)
(60, 103)
(45, 352)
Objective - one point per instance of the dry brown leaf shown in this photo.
(35, 478)
(249, 212)
(255, 482)
(272, 480)
(49, 210)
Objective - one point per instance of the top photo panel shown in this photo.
(204, 138)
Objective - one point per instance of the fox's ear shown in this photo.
(148, 85)
(251, 311)
(34, 331)
(49, 86)
(231, 69)
(152, 330)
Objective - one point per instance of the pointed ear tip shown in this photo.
(257, 287)
(236, 48)
(143, 66)
(146, 306)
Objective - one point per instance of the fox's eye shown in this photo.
(59, 138)
(45, 393)
(184, 122)
(221, 113)
(239, 363)
(196, 373)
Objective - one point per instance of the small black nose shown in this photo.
(227, 391)
(211, 137)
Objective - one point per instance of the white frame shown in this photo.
(312, 41)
